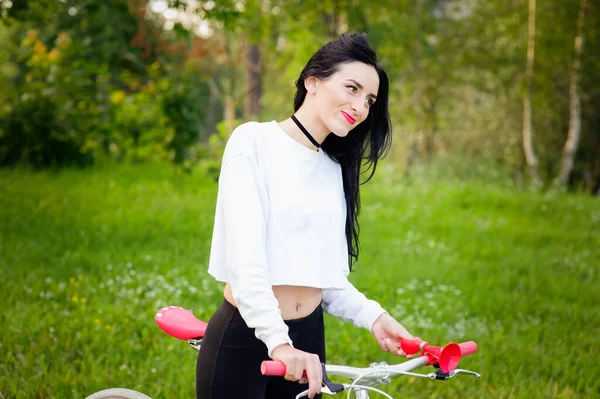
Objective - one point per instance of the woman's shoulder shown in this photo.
(246, 138)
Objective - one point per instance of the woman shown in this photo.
(286, 230)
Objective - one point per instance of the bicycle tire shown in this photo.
(118, 393)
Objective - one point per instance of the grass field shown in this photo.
(87, 257)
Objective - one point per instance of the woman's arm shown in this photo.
(242, 195)
(349, 304)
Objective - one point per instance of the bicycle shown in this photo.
(182, 324)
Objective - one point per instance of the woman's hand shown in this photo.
(388, 333)
(296, 361)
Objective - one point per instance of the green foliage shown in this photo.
(182, 99)
(65, 67)
(211, 152)
(456, 72)
(77, 88)
(87, 257)
(141, 125)
(42, 118)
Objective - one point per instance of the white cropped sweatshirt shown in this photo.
(280, 220)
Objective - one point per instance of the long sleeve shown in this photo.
(350, 304)
(242, 196)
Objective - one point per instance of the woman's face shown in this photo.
(343, 99)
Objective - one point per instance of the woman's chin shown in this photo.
(340, 131)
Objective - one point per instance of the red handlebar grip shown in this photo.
(411, 346)
(273, 368)
(467, 348)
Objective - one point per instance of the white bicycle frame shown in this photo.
(378, 373)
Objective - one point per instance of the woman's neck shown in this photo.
(311, 122)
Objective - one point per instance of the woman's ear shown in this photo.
(311, 83)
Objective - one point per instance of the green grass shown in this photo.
(87, 257)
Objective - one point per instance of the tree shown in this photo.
(575, 104)
(253, 81)
(67, 62)
(527, 111)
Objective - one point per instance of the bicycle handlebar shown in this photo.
(447, 356)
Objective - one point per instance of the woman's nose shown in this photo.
(358, 106)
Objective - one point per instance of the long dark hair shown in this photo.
(367, 142)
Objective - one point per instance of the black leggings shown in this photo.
(229, 361)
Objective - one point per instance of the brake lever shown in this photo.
(324, 390)
(440, 375)
(330, 388)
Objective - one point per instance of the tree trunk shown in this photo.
(417, 66)
(229, 113)
(253, 82)
(532, 162)
(431, 127)
(572, 142)
(332, 20)
(415, 150)
(211, 116)
(230, 103)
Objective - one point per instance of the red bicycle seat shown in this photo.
(180, 323)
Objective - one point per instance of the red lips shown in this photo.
(350, 119)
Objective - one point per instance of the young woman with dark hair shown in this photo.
(286, 229)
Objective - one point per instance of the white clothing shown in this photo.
(280, 220)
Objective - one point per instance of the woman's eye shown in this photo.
(352, 88)
(369, 101)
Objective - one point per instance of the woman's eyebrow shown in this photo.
(361, 87)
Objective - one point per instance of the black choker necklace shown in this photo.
(306, 133)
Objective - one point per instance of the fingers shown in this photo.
(315, 375)
(290, 369)
(389, 333)
(398, 351)
(294, 364)
(401, 353)
(393, 346)
(304, 367)
(383, 344)
(403, 334)
(299, 369)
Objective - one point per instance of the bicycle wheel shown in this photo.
(118, 393)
